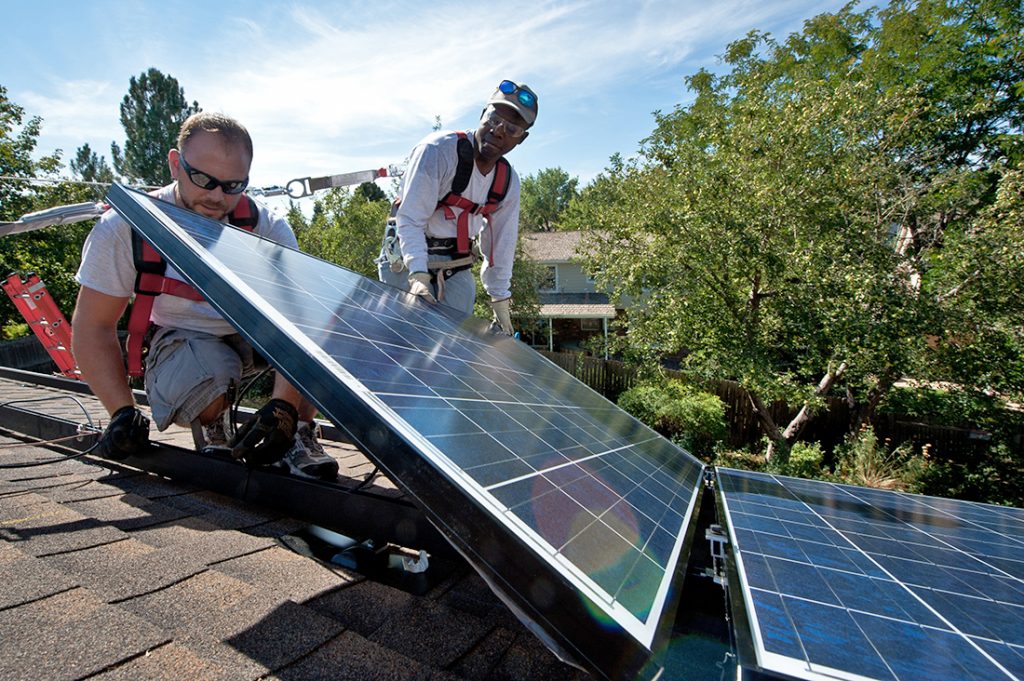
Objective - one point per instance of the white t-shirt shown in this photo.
(109, 267)
(427, 180)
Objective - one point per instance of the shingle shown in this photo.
(203, 540)
(13, 506)
(430, 633)
(85, 490)
(471, 594)
(54, 529)
(275, 638)
(194, 604)
(350, 657)
(171, 661)
(146, 484)
(52, 465)
(248, 634)
(552, 246)
(224, 512)
(127, 568)
(528, 660)
(284, 572)
(68, 636)
(126, 511)
(479, 662)
(363, 607)
(26, 578)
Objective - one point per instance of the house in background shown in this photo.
(572, 310)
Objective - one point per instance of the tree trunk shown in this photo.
(796, 426)
(768, 424)
(862, 414)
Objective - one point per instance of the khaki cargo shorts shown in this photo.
(187, 370)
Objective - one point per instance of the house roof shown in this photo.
(576, 305)
(552, 247)
(121, 574)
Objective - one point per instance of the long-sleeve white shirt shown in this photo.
(427, 179)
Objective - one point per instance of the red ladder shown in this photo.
(32, 299)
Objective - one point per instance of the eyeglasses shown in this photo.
(494, 121)
(525, 97)
(209, 182)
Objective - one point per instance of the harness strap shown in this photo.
(495, 195)
(442, 270)
(151, 282)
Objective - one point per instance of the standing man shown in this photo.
(454, 183)
(195, 357)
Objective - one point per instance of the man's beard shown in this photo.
(215, 210)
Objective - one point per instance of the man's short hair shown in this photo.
(230, 130)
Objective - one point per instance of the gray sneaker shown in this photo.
(307, 457)
(218, 434)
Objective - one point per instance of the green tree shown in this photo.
(152, 113)
(346, 229)
(371, 192)
(794, 226)
(544, 197)
(89, 166)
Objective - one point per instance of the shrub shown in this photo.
(740, 459)
(693, 419)
(864, 461)
(15, 330)
(806, 460)
(643, 401)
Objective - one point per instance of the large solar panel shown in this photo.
(573, 511)
(843, 582)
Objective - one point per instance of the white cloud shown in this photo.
(77, 111)
(343, 86)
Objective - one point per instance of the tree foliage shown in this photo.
(152, 113)
(830, 208)
(89, 166)
(346, 229)
(52, 253)
(544, 197)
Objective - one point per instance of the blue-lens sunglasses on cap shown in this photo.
(525, 97)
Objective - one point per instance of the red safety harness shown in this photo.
(151, 282)
(455, 199)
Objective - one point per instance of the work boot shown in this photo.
(307, 457)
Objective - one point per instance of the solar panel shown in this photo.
(843, 582)
(576, 514)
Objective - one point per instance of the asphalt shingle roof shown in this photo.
(552, 246)
(114, 573)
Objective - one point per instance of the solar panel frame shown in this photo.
(546, 594)
(786, 631)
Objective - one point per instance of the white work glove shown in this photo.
(501, 314)
(419, 285)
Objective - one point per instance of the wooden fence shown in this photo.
(611, 378)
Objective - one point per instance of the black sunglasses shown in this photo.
(209, 182)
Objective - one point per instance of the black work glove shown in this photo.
(267, 436)
(126, 434)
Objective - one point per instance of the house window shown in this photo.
(590, 324)
(549, 282)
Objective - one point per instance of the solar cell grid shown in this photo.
(515, 447)
(848, 582)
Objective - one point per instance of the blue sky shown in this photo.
(335, 86)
